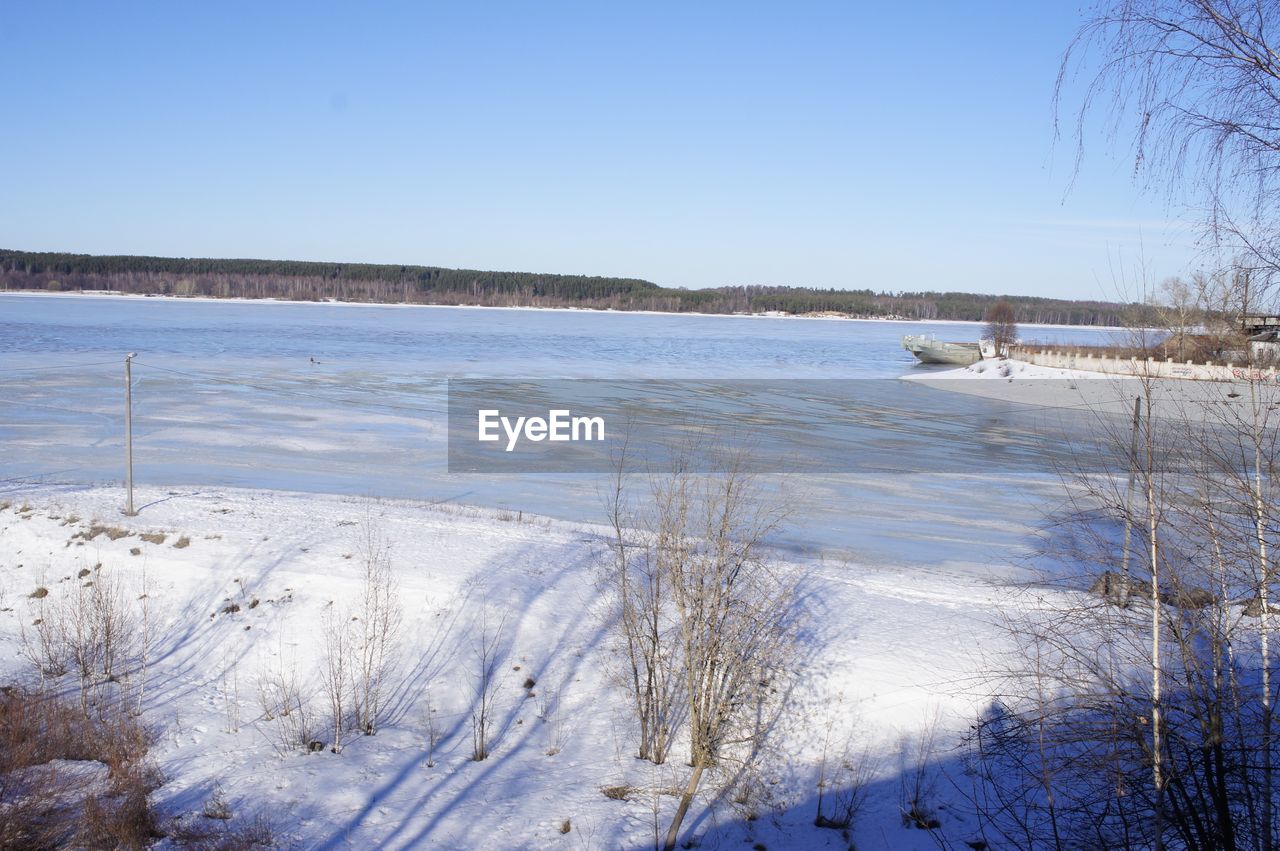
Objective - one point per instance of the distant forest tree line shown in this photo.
(381, 283)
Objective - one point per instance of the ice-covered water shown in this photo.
(351, 399)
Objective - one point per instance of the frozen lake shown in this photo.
(351, 399)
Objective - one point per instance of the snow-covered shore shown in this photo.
(1008, 370)
(1104, 393)
(241, 579)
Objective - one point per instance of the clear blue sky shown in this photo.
(693, 144)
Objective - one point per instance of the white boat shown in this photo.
(931, 350)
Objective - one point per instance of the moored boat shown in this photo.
(931, 350)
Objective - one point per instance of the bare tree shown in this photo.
(1224, 296)
(1194, 84)
(638, 585)
(45, 649)
(336, 669)
(1177, 306)
(285, 705)
(845, 770)
(489, 652)
(230, 691)
(433, 729)
(113, 620)
(146, 640)
(92, 629)
(1242, 460)
(1002, 327)
(553, 721)
(706, 620)
(1145, 720)
(377, 630)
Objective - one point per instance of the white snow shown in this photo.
(1103, 394)
(1007, 369)
(891, 649)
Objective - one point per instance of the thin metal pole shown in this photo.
(128, 431)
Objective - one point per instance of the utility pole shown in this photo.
(128, 432)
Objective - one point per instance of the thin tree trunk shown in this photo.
(673, 832)
(1157, 759)
(1128, 503)
(1264, 625)
(1222, 662)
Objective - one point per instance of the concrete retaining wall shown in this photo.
(1157, 368)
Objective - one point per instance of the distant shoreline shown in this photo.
(98, 294)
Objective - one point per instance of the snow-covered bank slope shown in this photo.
(238, 588)
(1096, 393)
(1007, 369)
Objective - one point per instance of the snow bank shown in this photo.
(1007, 370)
(238, 587)
(1104, 394)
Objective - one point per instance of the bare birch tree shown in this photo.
(336, 669)
(1194, 85)
(1145, 720)
(378, 628)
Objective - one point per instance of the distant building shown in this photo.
(1263, 332)
(1257, 323)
